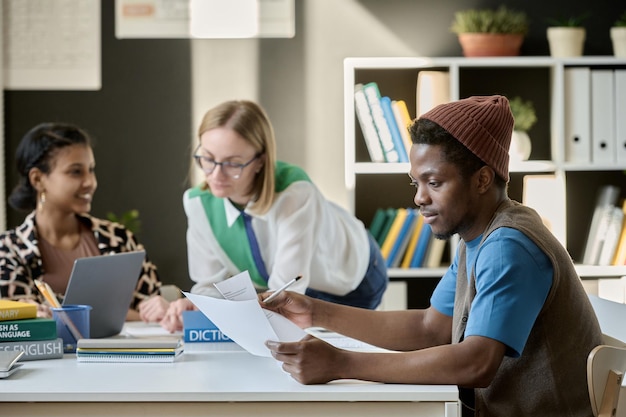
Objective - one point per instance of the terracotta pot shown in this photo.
(490, 44)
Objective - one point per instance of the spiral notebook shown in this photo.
(129, 349)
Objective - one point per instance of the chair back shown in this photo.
(606, 366)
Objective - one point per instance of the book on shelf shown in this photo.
(372, 94)
(129, 349)
(389, 219)
(402, 241)
(433, 89)
(434, 252)
(620, 252)
(417, 261)
(394, 231)
(377, 223)
(364, 117)
(394, 129)
(36, 349)
(403, 120)
(611, 237)
(16, 310)
(39, 328)
(199, 328)
(605, 202)
(415, 234)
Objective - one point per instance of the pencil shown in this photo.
(281, 289)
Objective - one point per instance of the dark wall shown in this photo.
(424, 24)
(141, 121)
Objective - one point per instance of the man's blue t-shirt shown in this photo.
(513, 278)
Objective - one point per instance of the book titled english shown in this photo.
(36, 349)
(39, 328)
(198, 328)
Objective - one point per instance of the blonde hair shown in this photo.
(249, 121)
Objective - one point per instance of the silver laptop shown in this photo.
(106, 283)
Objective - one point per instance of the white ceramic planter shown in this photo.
(520, 146)
(618, 37)
(566, 42)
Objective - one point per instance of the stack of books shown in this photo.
(129, 349)
(22, 330)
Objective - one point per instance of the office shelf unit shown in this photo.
(538, 79)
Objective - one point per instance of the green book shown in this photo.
(28, 329)
(377, 223)
(390, 216)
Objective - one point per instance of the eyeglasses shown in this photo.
(231, 169)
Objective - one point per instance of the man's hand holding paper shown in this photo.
(240, 317)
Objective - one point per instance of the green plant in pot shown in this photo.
(525, 117)
(566, 35)
(490, 32)
(618, 36)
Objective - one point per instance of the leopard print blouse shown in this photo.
(21, 263)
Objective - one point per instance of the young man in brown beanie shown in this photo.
(509, 322)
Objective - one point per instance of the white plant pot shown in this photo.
(566, 42)
(520, 146)
(618, 37)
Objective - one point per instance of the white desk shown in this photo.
(205, 384)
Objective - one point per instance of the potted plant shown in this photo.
(618, 36)
(566, 36)
(488, 32)
(524, 116)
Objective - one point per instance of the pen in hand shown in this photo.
(281, 289)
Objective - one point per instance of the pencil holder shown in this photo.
(72, 324)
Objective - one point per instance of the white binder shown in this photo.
(577, 110)
(602, 117)
(620, 115)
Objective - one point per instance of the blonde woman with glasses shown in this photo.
(265, 216)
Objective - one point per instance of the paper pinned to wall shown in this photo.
(52, 45)
(173, 18)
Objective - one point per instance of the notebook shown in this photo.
(106, 283)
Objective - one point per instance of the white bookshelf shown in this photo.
(540, 79)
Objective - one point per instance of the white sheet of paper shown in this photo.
(241, 318)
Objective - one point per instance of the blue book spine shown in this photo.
(400, 244)
(396, 136)
(198, 328)
(422, 246)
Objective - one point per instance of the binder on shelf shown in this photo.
(602, 117)
(394, 231)
(433, 89)
(577, 112)
(370, 134)
(620, 115)
(403, 120)
(605, 201)
(394, 129)
(415, 234)
(372, 93)
(399, 246)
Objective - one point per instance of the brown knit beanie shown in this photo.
(483, 124)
